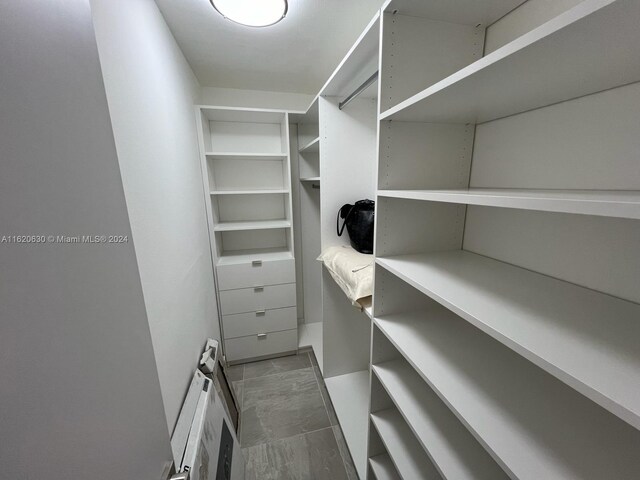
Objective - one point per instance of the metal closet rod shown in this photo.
(358, 90)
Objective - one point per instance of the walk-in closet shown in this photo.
(301, 240)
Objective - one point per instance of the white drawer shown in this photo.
(250, 274)
(252, 299)
(259, 345)
(264, 321)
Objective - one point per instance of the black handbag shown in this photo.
(359, 220)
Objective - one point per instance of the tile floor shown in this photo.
(288, 429)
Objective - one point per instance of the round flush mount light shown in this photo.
(252, 13)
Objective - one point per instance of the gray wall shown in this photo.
(79, 392)
(151, 92)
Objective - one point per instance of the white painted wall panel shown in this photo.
(151, 92)
(79, 394)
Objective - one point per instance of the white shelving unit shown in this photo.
(558, 329)
(452, 449)
(509, 404)
(506, 302)
(247, 177)
(547, 65)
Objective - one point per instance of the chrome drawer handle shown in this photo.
(256, 263)
(261, 312)
(262, 336)
(258, 289)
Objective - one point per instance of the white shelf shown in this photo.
(533, 425)
(310, 179)
(622, 204)
(587, 339)
(251, 225)
(590, 48)
(350, 398)
(410, 459)
(310, 335)
(312, 147)
(452, 449)
(245, 155)
(248, 192)
(247, 256)
(383, 468)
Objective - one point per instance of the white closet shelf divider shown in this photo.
(410, 459)
(451, 447)
(532, 424)
(608, 203)
(383, 468)
(251, 225)
(350, 398)
(590, 48)
(248, 192)
(312, 146)
(310, 179)
(587, 339)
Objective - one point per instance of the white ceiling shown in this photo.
(296, 55)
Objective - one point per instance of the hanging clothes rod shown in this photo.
(358, 90)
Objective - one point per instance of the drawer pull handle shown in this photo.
(258, 289)
(256, 263)
(261, 312)
(262, 336)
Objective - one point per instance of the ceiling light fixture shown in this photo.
(252, 13)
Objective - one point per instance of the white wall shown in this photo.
(79, 391)
(231, 97)
(151, 92)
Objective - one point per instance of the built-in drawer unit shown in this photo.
(256, 273)
(261, 321)
(246, 300)
(260, 345)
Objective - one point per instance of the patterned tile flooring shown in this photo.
(288, 428)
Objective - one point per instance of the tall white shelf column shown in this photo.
(506, 298)
(246, 174)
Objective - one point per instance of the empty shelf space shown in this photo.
(383, 468)
(533, 424)
(247, 256)
(312, 146)
(410, 459)
(350, 398)
(622, 204)
(453, 450)
(585, 338)
(588, 49)
(248, 192)
(251, 225)
(249, 156)
(310, 179)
